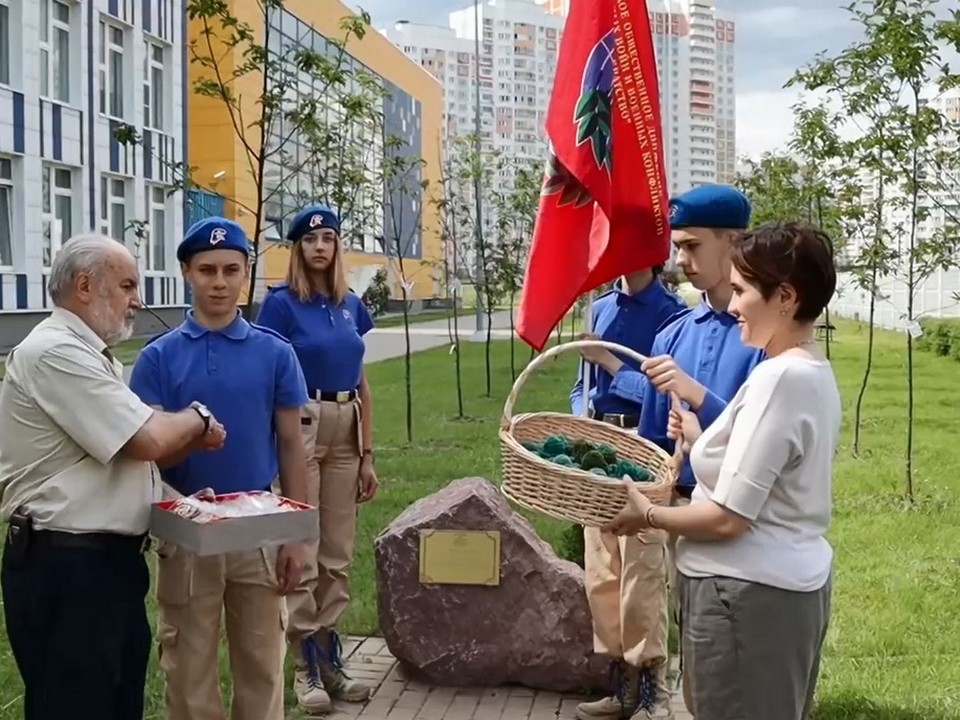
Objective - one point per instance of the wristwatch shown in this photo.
(204, 414)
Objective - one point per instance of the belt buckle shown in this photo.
(343, 396)
(613, 419)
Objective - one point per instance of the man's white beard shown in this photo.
(108, 330)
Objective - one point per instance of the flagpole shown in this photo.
(588, 327)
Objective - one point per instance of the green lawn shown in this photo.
(893, 651)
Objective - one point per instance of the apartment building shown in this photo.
(695, 46)
(71, 74)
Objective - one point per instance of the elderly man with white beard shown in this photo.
(77, 478)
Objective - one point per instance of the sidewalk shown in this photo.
(396, 697)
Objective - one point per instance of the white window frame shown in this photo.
(109, 200)
(156, 241)
(7, 188)
(154, 108)
(6, 61)
(54, 232)
(112, 100)
(54, 85)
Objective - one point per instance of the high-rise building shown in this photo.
(518, 60)
(71, 75)
(694, 45)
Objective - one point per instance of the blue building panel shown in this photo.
(403, 196)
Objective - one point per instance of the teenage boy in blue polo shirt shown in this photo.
(250, 379)
(628, 316)
(698, 356)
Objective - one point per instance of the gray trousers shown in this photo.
(751, 651)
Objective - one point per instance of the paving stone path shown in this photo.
(396, 697)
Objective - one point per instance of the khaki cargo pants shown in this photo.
(193, 593)
(628, 581)
(331, 439)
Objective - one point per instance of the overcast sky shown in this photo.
(774, 37)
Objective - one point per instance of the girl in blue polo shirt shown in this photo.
(326, 323)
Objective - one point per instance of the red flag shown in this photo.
(603, 205)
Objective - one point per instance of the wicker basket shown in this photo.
(569, 493)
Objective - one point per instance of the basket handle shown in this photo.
(552, 353)
(568, 347)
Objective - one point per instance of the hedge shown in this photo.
(941, 337)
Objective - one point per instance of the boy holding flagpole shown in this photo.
(699, 358)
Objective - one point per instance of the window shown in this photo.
(157, 238)
(54, 50)
(153, 109)
(4, 42)
(6, 212)
(57, 210)
(113, 207)
(111, 70)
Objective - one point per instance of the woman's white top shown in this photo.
(769, 458)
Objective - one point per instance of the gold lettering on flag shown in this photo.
(633, 101)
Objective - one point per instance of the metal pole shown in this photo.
(477, 186)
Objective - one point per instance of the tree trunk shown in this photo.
(488, 341)
(406, 361)
(874, 275)
(456, 352)
(858, 413)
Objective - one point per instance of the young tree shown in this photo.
(882, 83)
(470, 169)
(404, 190)
(455, 232)
(284, 131)
(516, 209)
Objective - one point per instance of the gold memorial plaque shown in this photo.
(460, 557)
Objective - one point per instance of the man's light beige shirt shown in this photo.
(65, 414)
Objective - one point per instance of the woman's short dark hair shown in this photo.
(789, 253)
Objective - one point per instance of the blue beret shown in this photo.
(312, 217)
(710, 206)
(214, 233)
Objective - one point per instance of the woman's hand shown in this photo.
(683, 425)
(367, 482)
(632, 519)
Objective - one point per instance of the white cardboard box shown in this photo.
(234, 534)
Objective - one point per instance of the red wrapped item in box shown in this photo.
(236, 522)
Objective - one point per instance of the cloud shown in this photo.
(764, 121)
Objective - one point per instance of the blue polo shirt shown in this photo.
(706, 345)
(631, 321)
(327, 338)
(242, 373)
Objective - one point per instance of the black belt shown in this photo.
(344, 396)
(618, 419)
(91, 541)
(684, 491)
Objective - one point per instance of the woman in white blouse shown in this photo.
(754, 564)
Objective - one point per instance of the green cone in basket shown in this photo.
(598, 471)
(556, 445)
(593, 459)
(579, 449)
(562, 459)
(633, 471)
(534, 447)
(608, 452)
